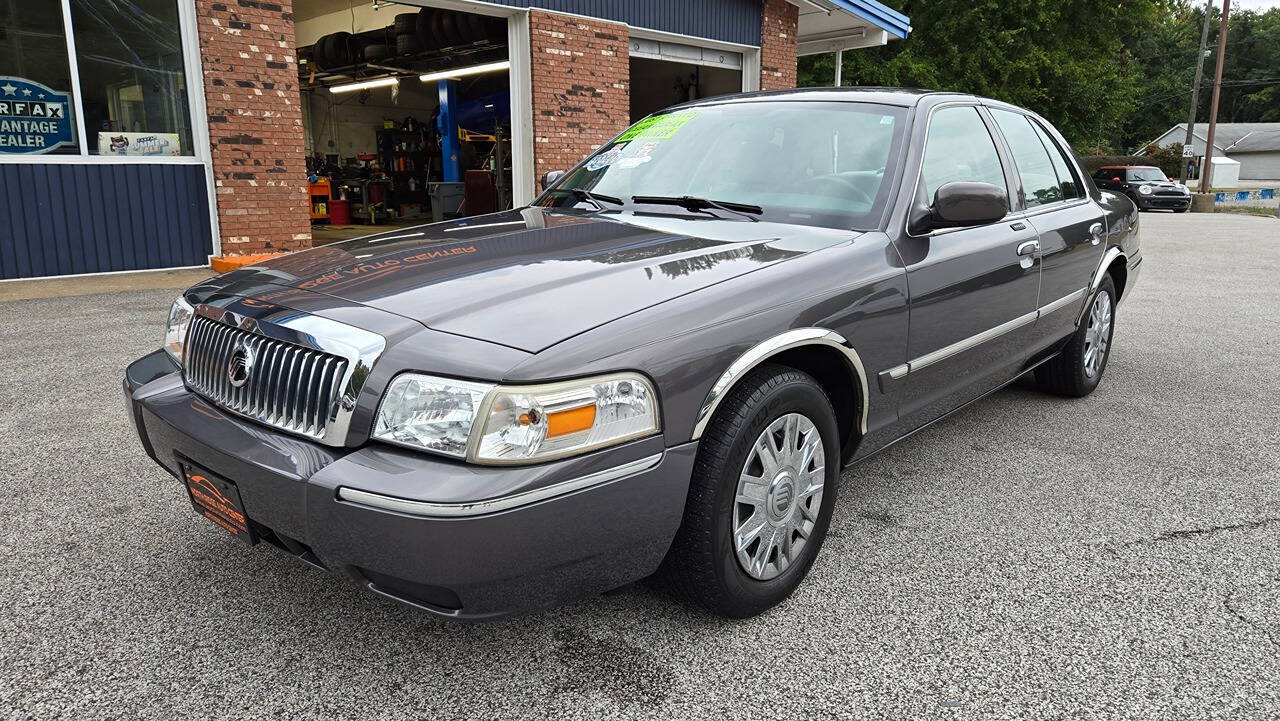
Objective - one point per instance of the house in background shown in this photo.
(1255, 146)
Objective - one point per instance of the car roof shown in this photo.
(1128, 167)
(906, 97)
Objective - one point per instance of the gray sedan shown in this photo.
(660, 366)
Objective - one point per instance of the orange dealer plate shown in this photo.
(218, 500)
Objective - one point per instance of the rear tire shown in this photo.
(1076, 371)
(781, 520)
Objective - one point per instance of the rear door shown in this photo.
(973, 296)
(1069, 224)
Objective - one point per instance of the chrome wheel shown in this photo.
(779, 495)
(1097, 335)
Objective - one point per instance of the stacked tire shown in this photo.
(406, 32)
(410, 34)
(335, 51)
(450, 28)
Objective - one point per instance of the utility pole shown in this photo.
(1206, 175)
(1195, 90)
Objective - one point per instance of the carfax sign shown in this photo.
(33, 118)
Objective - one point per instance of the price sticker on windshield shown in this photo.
(659, 127)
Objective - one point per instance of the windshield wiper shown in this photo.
(689, 202)
(594, 198)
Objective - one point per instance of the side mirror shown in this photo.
(960, 204)
(1116, 180)
(550, 177)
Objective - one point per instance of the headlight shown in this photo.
(434, 414)
(1145, 190)
(175, 336)
(515, 424)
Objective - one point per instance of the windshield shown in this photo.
(812, 163)
(1147, 175)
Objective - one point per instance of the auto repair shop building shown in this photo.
(157, 133)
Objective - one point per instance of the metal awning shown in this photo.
(828, 26)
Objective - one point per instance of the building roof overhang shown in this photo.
(826, 26)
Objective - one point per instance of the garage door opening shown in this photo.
(406, 114)
(665, 74)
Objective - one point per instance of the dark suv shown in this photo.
(1148, 187)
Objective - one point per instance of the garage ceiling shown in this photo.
(308, 9)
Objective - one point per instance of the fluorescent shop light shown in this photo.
(365, 85)
(463, 72)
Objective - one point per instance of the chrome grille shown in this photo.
(289, 387)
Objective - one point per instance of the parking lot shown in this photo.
(1117, 556)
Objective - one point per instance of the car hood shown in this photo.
(1158, 185)
(533, 277)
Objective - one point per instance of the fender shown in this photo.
(771, 347)
(1108, 258)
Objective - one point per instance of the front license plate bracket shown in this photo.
(218, 500)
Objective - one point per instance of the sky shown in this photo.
(1255, 4)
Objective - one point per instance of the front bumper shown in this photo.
(457, 540)
(1164, 202)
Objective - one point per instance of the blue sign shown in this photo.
(33, 118)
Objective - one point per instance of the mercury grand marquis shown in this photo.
(661, 367)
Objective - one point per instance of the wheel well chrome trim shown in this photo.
(770, 347)
(494, 505)
(1108, 258)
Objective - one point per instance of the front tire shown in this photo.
(761, 495)
(1076, 371)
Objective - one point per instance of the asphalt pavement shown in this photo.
(1031, 557)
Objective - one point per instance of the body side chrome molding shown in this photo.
(973, 341)
(494, 505)
(1062, 302)
(766, 349)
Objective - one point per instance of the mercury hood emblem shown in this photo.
(241, 365)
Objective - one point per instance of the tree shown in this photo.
(1110, 74)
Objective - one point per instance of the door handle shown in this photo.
(1095, 233)
(1031, 247)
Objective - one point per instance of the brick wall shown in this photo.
(255, 124)
(581, 73)
(779, 19)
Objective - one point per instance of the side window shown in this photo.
(1066, 178)
(1039, 180)
(958, 147)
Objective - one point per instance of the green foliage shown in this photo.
(1168, 158)
(1110, 74)
(1164, 158)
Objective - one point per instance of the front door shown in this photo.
(1070, 226)
(973, 290)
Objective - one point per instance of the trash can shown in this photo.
(339, 212)
(446, 200)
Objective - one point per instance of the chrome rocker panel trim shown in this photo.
(766, 349)
(494, 505)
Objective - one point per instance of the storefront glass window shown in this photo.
(132, 81)
(36, 114)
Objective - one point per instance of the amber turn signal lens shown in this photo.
(562, 423)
